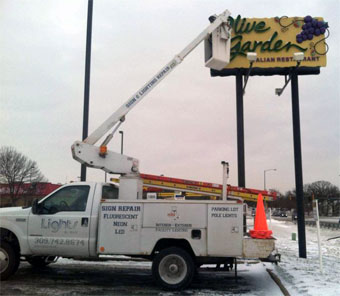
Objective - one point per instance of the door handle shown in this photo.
(85, 222)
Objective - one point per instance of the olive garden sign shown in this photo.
(275, 40)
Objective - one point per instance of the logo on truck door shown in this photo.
(56, 225)
(173, 213)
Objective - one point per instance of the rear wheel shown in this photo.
(9, 260)
(173, 269)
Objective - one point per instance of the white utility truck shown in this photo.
(87, 220)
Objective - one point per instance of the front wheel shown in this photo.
(173, 269)
(9, 260)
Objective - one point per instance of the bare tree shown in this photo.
(327, 194)
(16, 169)
(322, 189)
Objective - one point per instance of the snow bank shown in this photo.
(303, 276)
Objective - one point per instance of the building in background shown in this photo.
(27, 193)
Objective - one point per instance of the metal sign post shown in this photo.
(240, 131)
(298, 166)
(317, 220)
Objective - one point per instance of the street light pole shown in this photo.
(32, 168)
(264, 177)
(121, 142)
(87, 81)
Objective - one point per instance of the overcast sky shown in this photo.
(187, 125)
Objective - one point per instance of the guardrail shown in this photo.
(328, 225)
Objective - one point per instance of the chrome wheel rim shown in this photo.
(172, 269)
(4, 260)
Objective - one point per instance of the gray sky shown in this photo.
(187, 125)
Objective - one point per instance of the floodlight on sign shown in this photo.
(298, 56)
(251, 56)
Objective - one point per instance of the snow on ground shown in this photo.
(303, 276)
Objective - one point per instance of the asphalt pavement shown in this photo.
(68, 277)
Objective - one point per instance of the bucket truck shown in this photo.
(87, 220)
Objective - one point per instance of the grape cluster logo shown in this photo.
(311, 27)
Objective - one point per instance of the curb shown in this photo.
(278, 282)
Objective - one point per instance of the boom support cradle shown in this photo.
(113, 162)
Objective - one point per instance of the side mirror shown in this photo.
(35, 207)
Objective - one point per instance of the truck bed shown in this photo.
(212, 228)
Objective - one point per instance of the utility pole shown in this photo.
(87, 82)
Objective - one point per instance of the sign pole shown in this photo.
(298, 166)
(240, 131)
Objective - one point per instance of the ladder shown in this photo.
(154, 183)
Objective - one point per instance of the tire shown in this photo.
(173, 269)
(38, 261)
(9, 260)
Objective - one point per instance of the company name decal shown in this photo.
(146, 88)
(124, 217)
(56, 225)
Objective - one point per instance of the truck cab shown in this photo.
(64, 223)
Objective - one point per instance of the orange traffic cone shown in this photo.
(260, 228)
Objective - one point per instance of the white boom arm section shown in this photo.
(85, 151)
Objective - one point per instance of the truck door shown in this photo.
(61, 224)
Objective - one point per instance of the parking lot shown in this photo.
(68, 277)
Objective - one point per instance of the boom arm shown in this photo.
(150, 85)
(220, 21)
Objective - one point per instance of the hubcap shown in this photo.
(172, 269)
(4, 260)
